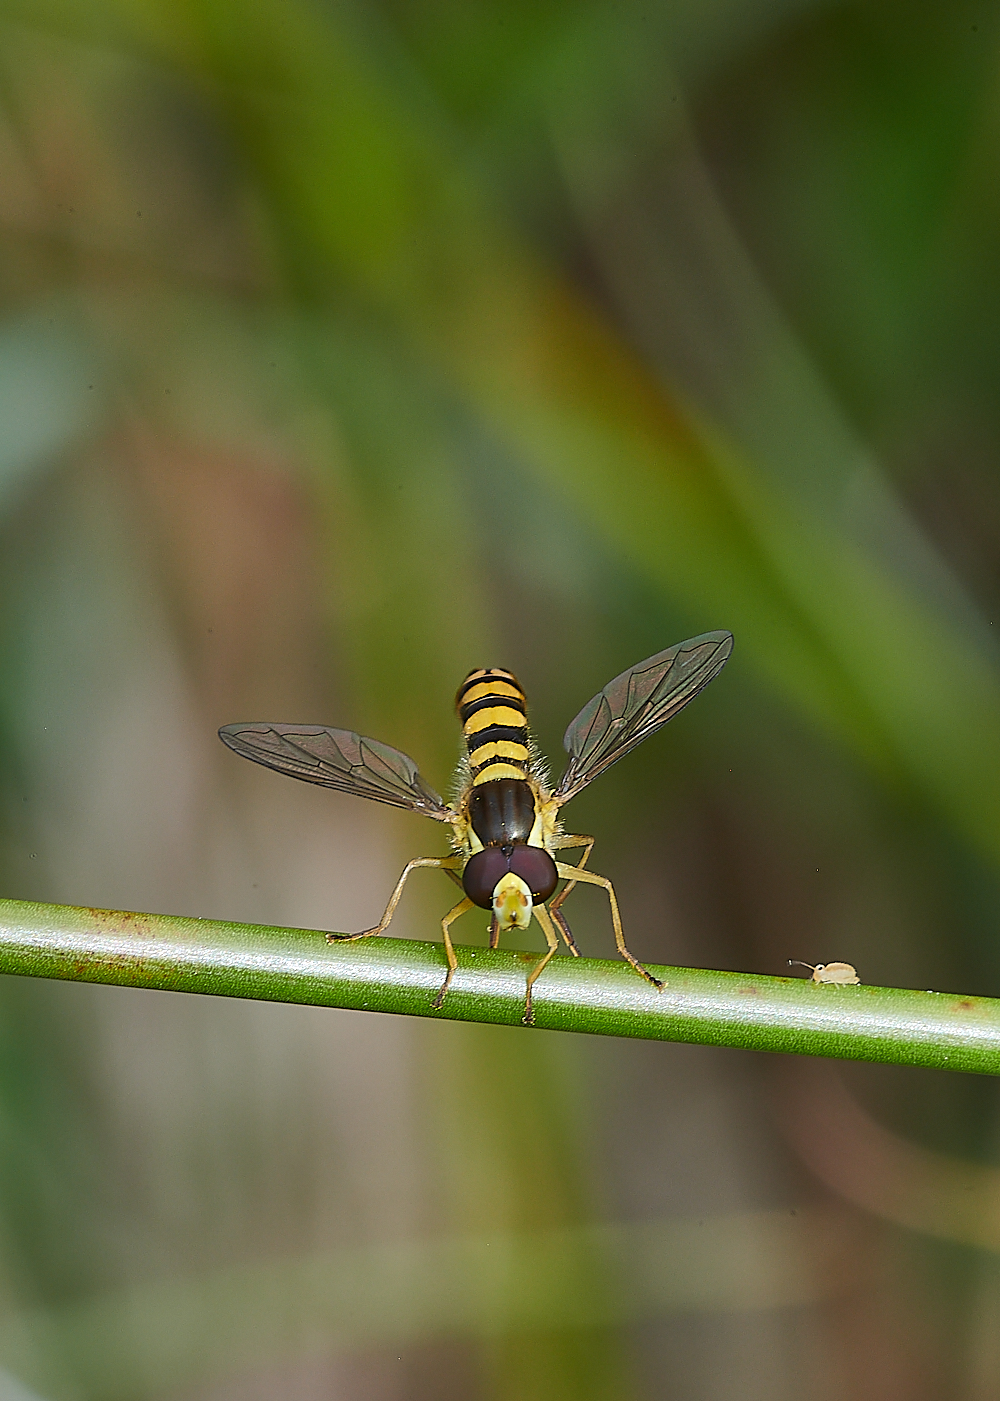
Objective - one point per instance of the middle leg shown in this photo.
(574, 873)
(448, 864)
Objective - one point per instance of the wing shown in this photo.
(338, 759)
(635, 704)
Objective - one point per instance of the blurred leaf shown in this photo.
(49, 383)
(825, 626)
(150, 1340)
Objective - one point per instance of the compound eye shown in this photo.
(536, 868)
(482, 871)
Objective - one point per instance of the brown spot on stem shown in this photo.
(119, 922)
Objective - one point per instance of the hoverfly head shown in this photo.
(512, 902)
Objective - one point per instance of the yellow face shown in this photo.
(512, 902)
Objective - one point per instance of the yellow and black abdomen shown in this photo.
(493, 711)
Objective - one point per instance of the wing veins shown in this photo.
(635, 705)
(380, 773)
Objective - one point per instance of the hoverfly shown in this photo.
(505, 824)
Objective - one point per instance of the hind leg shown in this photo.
(561, 844)
(573, 873)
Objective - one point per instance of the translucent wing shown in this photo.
(338, 759)
(635, 704)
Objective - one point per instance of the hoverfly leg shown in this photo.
(449, 948)
(573, 873)
(494, 931)
(441, 863)
(565, 840)
(542, 915)
(560, 844)
(559, 920)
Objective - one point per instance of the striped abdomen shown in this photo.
(493, 712)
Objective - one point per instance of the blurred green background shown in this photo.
(348, 346)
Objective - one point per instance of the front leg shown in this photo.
(439, 863)
(573, 873)
(449, 948)
(551, 939)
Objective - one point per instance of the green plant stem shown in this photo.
(946, 1030)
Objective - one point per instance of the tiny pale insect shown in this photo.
(505, 824)
(829, 972)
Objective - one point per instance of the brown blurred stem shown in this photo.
(761, 1013)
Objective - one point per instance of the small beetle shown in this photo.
(830, 972)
